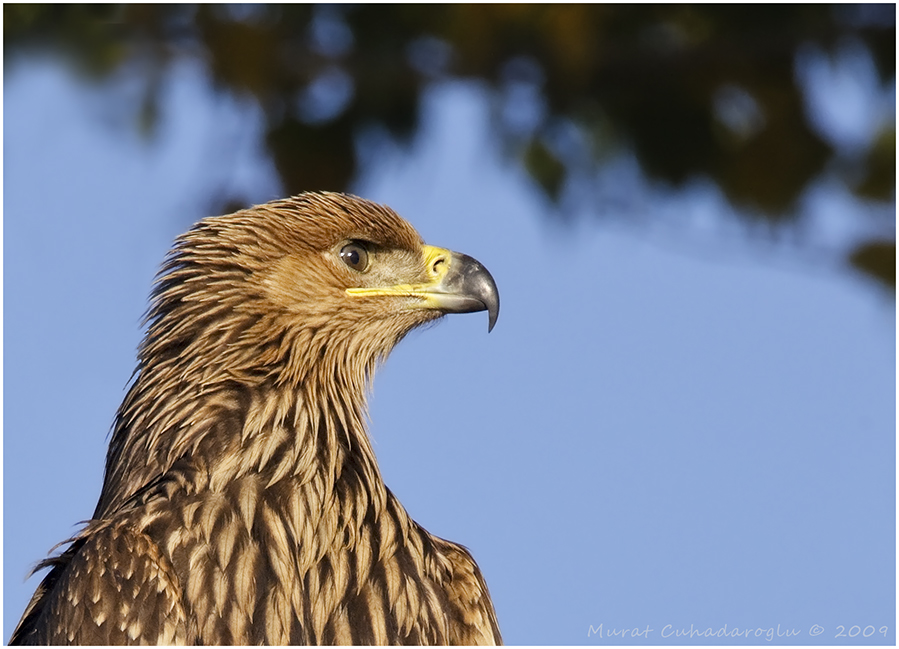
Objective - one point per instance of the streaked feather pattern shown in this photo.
(242, 502)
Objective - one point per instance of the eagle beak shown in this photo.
(459, 284)
(462, 285)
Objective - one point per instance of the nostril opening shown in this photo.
(437, 266)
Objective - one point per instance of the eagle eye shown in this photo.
(355, 255)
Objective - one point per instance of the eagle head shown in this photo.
(303, 279)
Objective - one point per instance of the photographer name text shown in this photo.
(767, 633)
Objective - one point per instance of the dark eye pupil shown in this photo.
(354, 256)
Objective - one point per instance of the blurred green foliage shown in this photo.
(692, 90)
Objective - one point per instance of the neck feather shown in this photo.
(297, 423)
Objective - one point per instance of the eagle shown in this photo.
(242, 502)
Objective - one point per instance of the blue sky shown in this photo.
(655, 436)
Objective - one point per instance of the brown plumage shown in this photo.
(242, 502)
